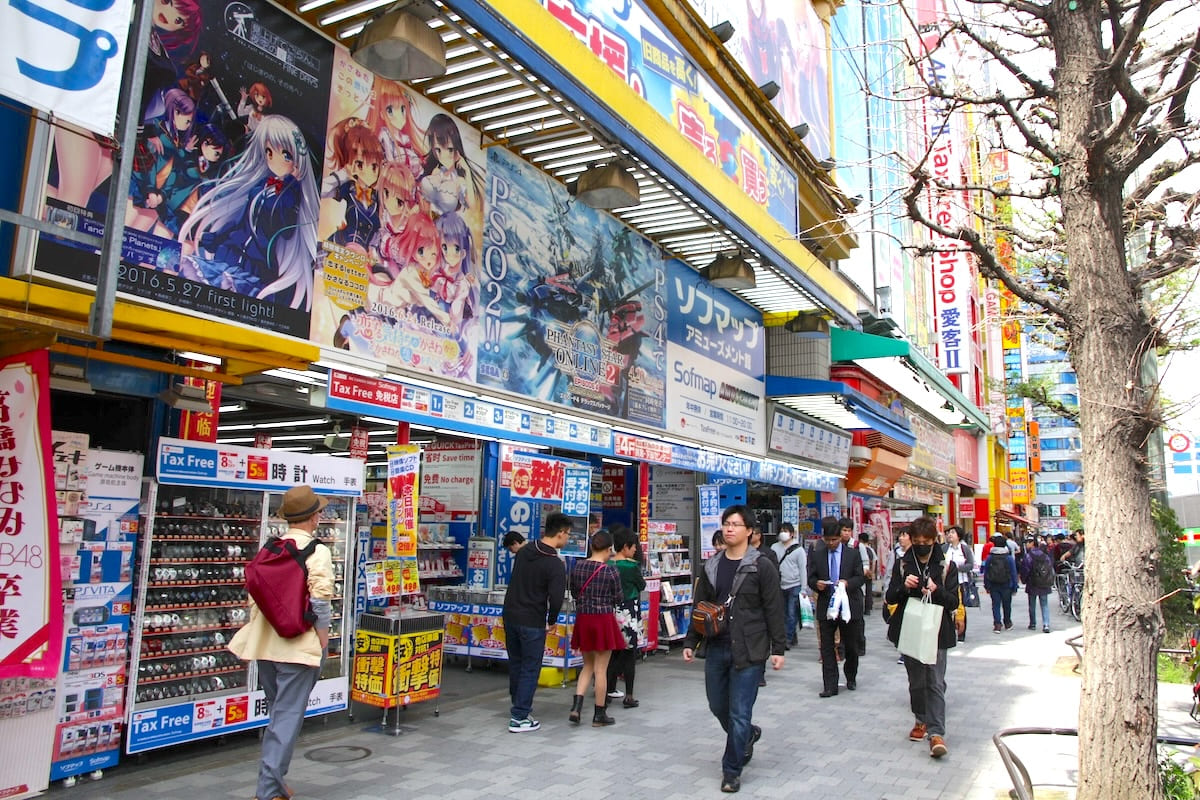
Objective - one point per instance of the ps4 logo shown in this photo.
(92, 53)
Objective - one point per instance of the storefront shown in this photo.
(548, 336)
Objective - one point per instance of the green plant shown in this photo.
(1171, 671)
(1177, 610)
(1176, 782)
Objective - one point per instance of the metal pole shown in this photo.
(137, 48)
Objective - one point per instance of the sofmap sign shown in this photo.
(65, 57)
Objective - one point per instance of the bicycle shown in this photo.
(1074, 590)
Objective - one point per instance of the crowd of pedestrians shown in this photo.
(761, 590)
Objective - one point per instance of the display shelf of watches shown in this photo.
(207, 518)
(150, 655)
(205, 530)
(224, 626)
(183, 687)
(200, 574)
(190, 606)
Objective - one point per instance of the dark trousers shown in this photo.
(731, 694)
(1001, 604)
(851, 633)
(623, 662)
(869, 596)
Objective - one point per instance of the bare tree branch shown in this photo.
(988, 264)
(1036, 88)
(1176, 117)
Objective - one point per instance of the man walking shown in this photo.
(793, 571)
(531, 606)
(288, 668)
(834, 565)
(740, 577)
(870, 567)
(1000, 581)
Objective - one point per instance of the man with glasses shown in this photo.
(734, 659)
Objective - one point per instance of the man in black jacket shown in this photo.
(833, 564)
(531, 606)
(923, 571)
(734, 660)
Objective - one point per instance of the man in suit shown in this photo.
(834, 563)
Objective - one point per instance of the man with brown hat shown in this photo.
(288, 668)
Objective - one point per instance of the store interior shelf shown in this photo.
(197, 606)
(440, 547)
(676, 604)
(194, 651)
(195, 673)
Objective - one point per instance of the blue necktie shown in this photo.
(834, 572)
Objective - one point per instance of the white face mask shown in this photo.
(785, 537)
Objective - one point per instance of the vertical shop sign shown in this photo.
(533, 485)
(790, 508)
(215, 222)
(30, 589)
(360, 442)
(709, 495)
(67, 61)
(403, 465)
(201, 426)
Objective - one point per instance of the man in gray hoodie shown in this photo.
(793, 571)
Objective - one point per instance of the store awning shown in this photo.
(1016, 518)
(903, 368)
(836, 403)
(34, 316)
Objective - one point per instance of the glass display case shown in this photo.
(190, 597)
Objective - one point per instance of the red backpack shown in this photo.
(277, 579)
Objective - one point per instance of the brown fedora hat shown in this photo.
(300, 503)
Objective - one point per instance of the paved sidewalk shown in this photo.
(851, 746)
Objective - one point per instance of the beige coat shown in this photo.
(258, 640)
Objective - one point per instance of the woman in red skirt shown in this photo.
(596, 587)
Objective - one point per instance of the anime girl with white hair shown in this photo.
(255, 232)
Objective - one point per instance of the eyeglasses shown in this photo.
(731, 524)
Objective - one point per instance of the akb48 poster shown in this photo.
(402, 205)
(221, 216)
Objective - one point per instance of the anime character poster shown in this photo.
(782, 41)
(402, 205)
(716, 359)
(222, 207)
(571, 300)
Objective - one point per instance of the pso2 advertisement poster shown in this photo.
(402, 205)
(571, 300)
(221, 216)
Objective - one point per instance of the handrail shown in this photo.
(1019, 775)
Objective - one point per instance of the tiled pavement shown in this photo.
(847, 747)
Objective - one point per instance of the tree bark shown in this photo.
(1109, 336)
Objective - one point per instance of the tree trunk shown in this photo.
(1109, 338)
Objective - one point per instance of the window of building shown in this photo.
(1182, 469)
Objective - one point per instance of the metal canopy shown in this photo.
(489, 88)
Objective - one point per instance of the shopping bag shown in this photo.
(808, 615)
(919, 630)
(971, 593)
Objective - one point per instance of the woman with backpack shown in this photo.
(1000, 581)
(1037, 572)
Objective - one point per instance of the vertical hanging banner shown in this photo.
(201, 426)
(30, 586)
(66, 58)
(710, 517)
(403, 499)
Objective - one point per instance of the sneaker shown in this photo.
(996, 628)
(900, 660)
(917, 733)
(1033, 627)
(1008, 626)
(755, 735)
(937, 747)
(1046, 629)
(523, 725)
(616, 694)
(731, 784)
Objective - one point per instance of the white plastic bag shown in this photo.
(919, 629)
(839, 604)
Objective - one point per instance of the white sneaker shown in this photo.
(616, 694)
(523, 725)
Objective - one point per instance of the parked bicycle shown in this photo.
(1069, 584)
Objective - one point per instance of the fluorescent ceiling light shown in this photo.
(607, 460)
(310, 378)
(294, 423)
(231, 408)
(202, 357)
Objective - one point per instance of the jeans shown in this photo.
(1044, 599)
(927, 692)
(731, 695)
(286, 687)
(525, 648)
(1001, 603)
(791, 607)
